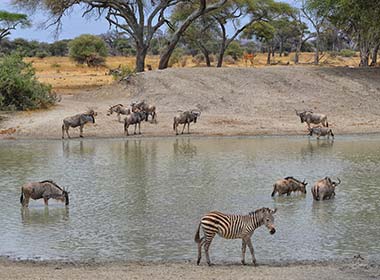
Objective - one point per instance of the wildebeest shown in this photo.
(185, 118)
(134, 118)
(314, 118)
(148, 109)
(78, 120)
(321, 131)
(45, 189)
(119, 109)
(324, 189)
(233, 227)
(288, 185)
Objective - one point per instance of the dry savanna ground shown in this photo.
(63, 74)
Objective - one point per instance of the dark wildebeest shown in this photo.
(119, 109)
(134, 118)
(324, 189)
(312, 118)
(321, 131)
(288, 185)
(148, 109)
(233, 227)
(45, 189)
(185, 118)
(78, 120)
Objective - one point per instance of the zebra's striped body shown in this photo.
(232, 227)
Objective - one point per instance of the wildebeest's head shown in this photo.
(268, 218)
(302, 186)
(196, 114)
(334, 184)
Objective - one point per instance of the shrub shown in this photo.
(234, 50)
(42, 54)
(88, 49)
(19, 88)
(198, 59)
(228, 59)
(175, 57)
(347, 53)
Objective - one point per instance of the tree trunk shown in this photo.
(281, 47)
(268, 57)
(364, 52)
(273, 51)
(297, 57)
(374, 54)
(316, 54)
(140, 58)
(221, 52)
(206, 54)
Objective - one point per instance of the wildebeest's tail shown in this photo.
(21, 197)
(327, 124)
(197, 238)
(274, 190)
(174, 124)
(315, 192)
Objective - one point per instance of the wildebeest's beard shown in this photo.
(195, 119)
(93, 119)
(66, 195)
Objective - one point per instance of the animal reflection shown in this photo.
(44, 216)
(184, 147)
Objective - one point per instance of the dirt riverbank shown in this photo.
(233, 101)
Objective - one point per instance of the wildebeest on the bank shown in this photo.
(119, 109)
(324, 189)
(233, 227)
(288, 185)
(148, 109)
(45, 189)
(309, 117)
(78, 120)
(134, 118)
(185, 118)
(321, 131)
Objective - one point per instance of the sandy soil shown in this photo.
(185, 270)
(233, 101)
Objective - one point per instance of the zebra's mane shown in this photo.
(261, 210)
(53, 183)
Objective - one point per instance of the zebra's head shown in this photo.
(268, 219)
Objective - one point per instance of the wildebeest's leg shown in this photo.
(139, 127)
(208, 241)
(81, 130)
(250, 246)
(135, 128)
(188, 128)
(46, 201)
(25, 203)
(183, 128)
(126, 129)
(243, 248)
(67, 131)
(118, 116)
(63, 131)
(274, 190)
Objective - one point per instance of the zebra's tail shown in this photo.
(21, 197)
(197, 238)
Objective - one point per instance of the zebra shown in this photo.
(77, 120)
(233, 227)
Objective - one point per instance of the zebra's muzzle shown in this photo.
(272, 231)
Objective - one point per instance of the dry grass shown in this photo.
(65, 75)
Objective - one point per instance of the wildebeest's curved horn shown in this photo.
(339, 181)
(297, 112)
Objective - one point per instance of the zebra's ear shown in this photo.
(273, 211)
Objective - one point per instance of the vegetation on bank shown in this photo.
(19, 87)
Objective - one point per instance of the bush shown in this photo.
(347, 53)
(235, 50)
(228, 59)
(198, 59)
(19, 88)
(176, 56)
(88, 49)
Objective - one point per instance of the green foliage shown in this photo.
(19, 88)
(347, 53)
(122, 71)
(234, 50)
(88, 49)
(176, 56)
(9, 21)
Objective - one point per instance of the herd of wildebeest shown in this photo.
(225, 225)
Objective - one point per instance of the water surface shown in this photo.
(141, 199)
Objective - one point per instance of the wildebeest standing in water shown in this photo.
(321, 131)
(78, 120)
(312, 118)
(324, 189)
(45, 189)
(288, 185)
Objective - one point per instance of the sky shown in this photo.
(73, 25)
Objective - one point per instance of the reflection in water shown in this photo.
(141, 199)
(44, 216)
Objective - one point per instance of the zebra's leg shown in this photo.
(208, 241)
(243, 248)
(200, 244)
(250, 246)
(81, 131)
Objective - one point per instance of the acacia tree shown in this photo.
(358, 18)
(10, 21)
(138, 18)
